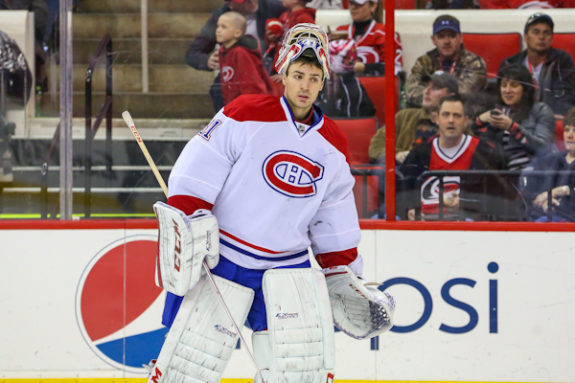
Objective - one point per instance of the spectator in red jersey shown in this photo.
(296, 13)
(451, 149)
(369, 35)
(241, 67)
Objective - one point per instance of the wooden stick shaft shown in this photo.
(130, 123)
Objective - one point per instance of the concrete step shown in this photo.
(162, 78)
(143, 105)
(126, 25)
(129, 51)
(126, 6)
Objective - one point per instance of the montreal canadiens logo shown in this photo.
(119, 306)
(292, 174)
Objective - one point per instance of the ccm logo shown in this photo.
(329, 378)
(157, 375)
(292, 174)
(178, 246)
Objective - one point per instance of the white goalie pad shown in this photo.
(360, 310)
(300, 332)
(183, 243)
(202, 337)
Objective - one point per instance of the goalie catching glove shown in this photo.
(359, 309)
(183, 243)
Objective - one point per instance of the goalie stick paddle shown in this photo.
(130, 122)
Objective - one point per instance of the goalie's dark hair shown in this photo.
(569, 118)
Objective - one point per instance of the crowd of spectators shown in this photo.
(508, 126)
(505, 124)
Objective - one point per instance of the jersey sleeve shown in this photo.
(206, 161)
(335, 226)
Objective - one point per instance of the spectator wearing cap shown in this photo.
(202, 54)
(415, 126)
(552, 69)
(449, 56)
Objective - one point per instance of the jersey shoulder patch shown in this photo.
(255, 107)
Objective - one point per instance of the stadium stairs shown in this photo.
(176, 106)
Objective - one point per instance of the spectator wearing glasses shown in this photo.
(552, 69)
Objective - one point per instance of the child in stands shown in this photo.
(241, 68)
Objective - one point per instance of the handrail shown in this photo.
(44, 172)
(106, 109)
(504, 173)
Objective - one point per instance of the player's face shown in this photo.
(303, 82)
(451, 120)
(248, 7)
(362, 12)
(511, 91)
(432, 94)
(569, 138)
(226, 31)
(539, 38)
(447, 42)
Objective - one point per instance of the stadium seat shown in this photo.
(493, 47)
(375, 88)
(359, 132)
(566, 42)
(404, 4)
(559, 135)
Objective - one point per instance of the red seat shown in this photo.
(559, 135)
(566, 42)
(404, 4)
(359, 132)
(493, 47)
(375, 88)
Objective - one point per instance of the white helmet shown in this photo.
(300, 38)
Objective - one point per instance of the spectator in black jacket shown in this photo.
(552, 69)
(202, 55)
(560, 181)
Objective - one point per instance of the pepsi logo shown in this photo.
(118, 305)
(292, 174)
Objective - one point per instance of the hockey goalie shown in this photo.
(265, 181)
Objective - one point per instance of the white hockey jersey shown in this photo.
(277, 186)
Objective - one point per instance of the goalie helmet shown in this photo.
(304, 38)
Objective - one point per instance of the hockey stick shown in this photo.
(130, 122)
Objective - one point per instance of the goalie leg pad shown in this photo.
(183, 243)
(300, 326)
(202, 337)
